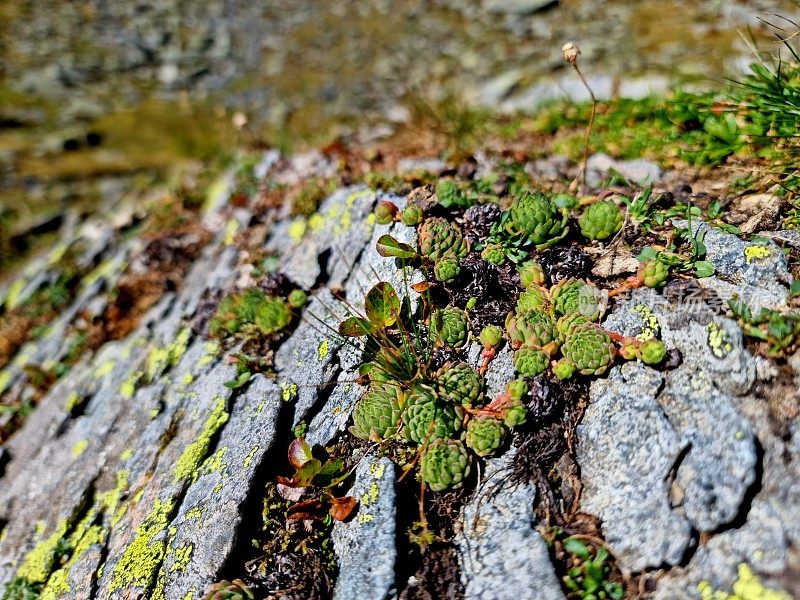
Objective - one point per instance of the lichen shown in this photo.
(83, 538)
(718, 340)
(12, 297)
(186, 469)
(160, 359)
(139, 563)
(38, 563)
(79, 448)
(297, 230)
(215, 462)
(187, 379)
(5, 379)
(128, 387)
(183, 555)
(73, 400)
(249, 458)
(756, 252)
(288, 391)
(210, 352)
(231, 227)
(104, 369)
(323, 350)
(650, 327)
(196, 512)
(126, 454)
(747, 587)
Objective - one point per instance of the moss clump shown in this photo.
(250, 312)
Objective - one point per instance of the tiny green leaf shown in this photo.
(704, 268)
(388, 247)
(382, 305)
(576, 547)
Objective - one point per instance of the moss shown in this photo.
(79, 448)
(187, 466)
(747, 587)
(139, 563)
(756, 252)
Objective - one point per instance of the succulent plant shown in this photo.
(297, 298)
(534, 299)
(384, 212)
(412, 215)
(600, 220)
(530, 362)
(531, 329)
(531, 274)
(439, 238)
(378, 412)
(589, 349)
(484, 435)
(576, 296)
(446, 269)
(445, 465)
(516, 388)
(515, 415)
(566, 201)
(652, 352)
(653, 273)
(449, 327)
(426, 418)
(460, 384)
(229, 590)
(537, 218)
(491, 336)
(563, 369)
(494, 254)
(567, 323)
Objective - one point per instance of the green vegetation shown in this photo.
(587, 579)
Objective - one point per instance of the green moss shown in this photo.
(187, 466)
(139, 564)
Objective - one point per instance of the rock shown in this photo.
(425, 165)
(365, 545)
(758, 211)
(502, 556)
(638, 171)
(626, 449)
(615, 262)
(755, 271)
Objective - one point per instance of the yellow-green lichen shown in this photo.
(187, 379)
(103, 270)
(128, 387)
(5, 379)
(747, 587)
(323, 350)
(650, 326)
(196, 512)
(126, 454)
(365, 519)
(104, 369)
(79, 448)
(110, 500)
(139, 563)
(12, 297)
(249, 458)
(210, 352)
(756, 252)
(297, 230)
(38, 563)
(215, 462)
(84, 537)
(160, 358)
(231, 227)
(182, 556)
(73, 400)
(316, 222)
(718, 340)
(187, 466)
(288, 391)
(190, 594)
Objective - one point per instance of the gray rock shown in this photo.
(755, 271)
(637, 171)
(626, 449)
(519, 7)
(502, 556)
(365, 545)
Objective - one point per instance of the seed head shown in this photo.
(571, 52)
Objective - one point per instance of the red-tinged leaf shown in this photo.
(342, 508)
(308, 510)
(389, 247)
(299, 452)
(422, 286)
(301, 516)
(354, 327)
(382, 305)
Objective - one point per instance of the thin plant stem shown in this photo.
(582, 172)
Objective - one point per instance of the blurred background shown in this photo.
(99, 99)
